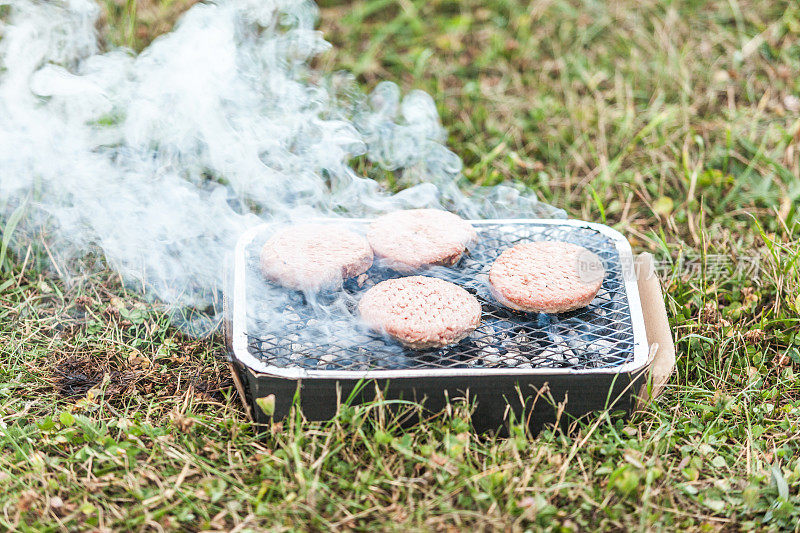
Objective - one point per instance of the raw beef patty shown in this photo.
(410, 240)
(311, 257)
(420, 312)
(546, 277)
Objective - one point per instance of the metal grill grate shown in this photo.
(325, 336)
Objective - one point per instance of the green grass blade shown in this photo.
(8, 232)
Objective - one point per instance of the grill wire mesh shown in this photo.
(326, 336)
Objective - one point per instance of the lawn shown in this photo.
(675, 122)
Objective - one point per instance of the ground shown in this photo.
(675, 122)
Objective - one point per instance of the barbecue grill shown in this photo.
(589, 359)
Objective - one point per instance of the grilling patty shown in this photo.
(410, 240)
(546, 277)
(420, 312)
(311, 257)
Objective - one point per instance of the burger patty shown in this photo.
(312, 257)
(546, 277)
(410, 240)
(420, 312)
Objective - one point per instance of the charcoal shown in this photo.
(493, 359)
(326, 360)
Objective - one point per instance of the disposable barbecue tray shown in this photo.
(526, 363)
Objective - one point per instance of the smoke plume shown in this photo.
(160, 160)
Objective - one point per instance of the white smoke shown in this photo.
(162, 159)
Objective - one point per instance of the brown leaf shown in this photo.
(710, 313)
(27, 499)
(754, 336)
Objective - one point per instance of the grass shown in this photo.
(674, 121)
